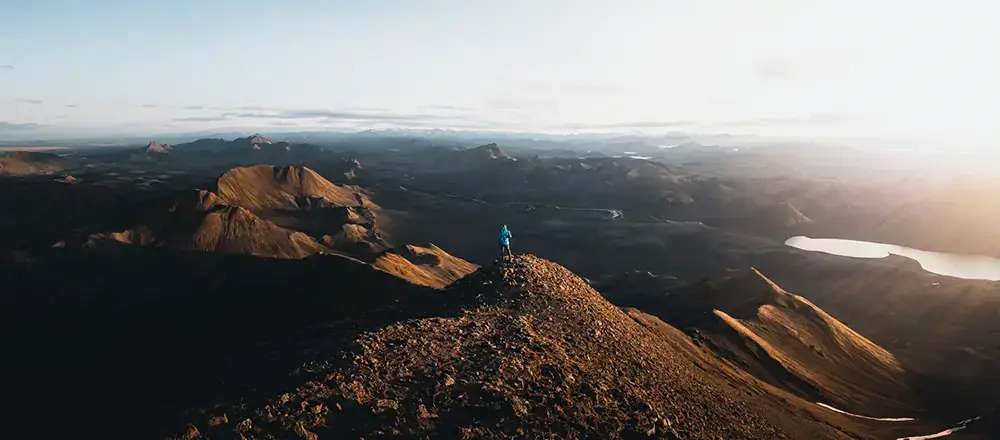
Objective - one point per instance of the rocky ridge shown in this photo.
(532, 352)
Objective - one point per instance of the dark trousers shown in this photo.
(505, 250)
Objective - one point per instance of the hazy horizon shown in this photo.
(850, 69)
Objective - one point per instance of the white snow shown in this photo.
(961, 425)
(880, 419)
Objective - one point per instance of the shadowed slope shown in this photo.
(126, 341)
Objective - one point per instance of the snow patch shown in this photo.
(880, 419)
(961, 425)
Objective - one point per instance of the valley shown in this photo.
(350, 287)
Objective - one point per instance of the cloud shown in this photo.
(70, 105)
(576, 88)
(596, 89)
(759, 122)
(806, 66)
(330, 116)
(194, 107)
(150, 106)
(12, 126)
(815, 119)
(519, 103)
(6, 67)
(775, 70)
(340, 115)
(437, 116)
(31, 101)
(830, 118)
(450, 108)
(633, 124)
(201, 119)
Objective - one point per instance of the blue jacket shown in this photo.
(505, 237)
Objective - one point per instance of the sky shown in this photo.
(883, 68)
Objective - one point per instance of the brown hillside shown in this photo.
(425, 265)
(355, 239)
(786, 340)
(285, 188)
(197, 221)
(237, 230)
(19, 163)
(297, 198)
(535, 353)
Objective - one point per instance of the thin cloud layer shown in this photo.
(334, 114)
(633, 124)
(449, 116)
(201, 119)
(817, 119)
(12, 126)
(437, 116)
(31, 101)
(6, 67)
(805, 66)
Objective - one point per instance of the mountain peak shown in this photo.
(491, 150)
(258, 139)
(285, 187)
(156, 147)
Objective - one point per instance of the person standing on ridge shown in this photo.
(505, 236)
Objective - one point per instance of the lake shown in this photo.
(974, 267)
